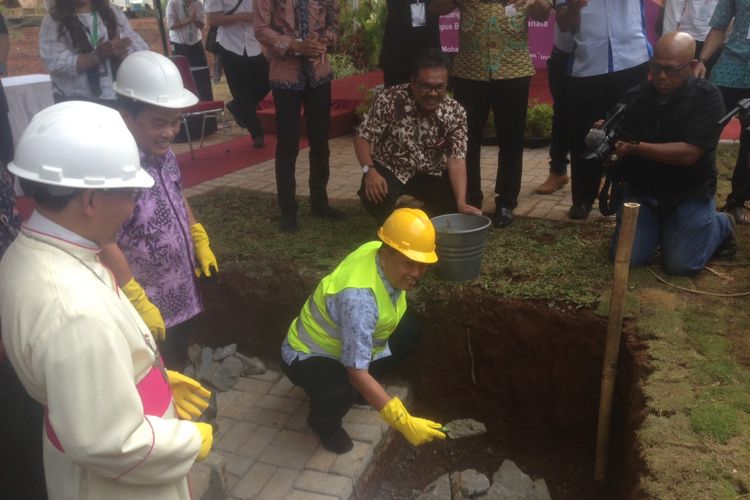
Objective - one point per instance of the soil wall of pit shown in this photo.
(530, 372)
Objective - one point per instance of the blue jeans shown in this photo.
(688, 236)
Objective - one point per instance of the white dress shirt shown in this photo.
(236, 37)
(178, 11)
(690, 16)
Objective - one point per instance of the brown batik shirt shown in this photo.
(408, 142)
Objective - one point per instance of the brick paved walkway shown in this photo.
(268, 451)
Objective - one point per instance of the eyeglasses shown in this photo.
(656, 69)
(133, 193)
(427, 88)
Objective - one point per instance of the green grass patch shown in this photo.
(715, 420)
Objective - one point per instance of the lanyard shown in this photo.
(95, 32)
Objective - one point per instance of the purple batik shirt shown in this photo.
(157, 243)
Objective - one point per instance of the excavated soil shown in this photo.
(528, 371)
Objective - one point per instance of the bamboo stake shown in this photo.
(614, 329)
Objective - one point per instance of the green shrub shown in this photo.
(362, 27)
(538, 121)
(342, 65)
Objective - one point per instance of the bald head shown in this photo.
(677, 46)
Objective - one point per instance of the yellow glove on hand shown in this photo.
(206, 257)
(416, 430)
(207, 439)
(190, 398)
(148, 311)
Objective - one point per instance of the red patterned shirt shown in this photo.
(406, 141)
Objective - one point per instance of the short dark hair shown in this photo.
(132, 106)
(429, 59)
(53, 198)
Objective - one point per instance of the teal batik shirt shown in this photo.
(733, 68)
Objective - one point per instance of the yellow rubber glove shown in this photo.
(207, 439)
(416, 430)
(206, 258)
(189, 396)
(148, 311)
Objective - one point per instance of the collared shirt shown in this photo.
(278, 22)
(236, 37)
(41, 224)
(691, 115)
(611, 37)
(493, 42)
(406, 141)
(733, 68)
(157, 243)
(690, 16)
(179, 10)
(355, 310)
(404, 37)
(60, 58)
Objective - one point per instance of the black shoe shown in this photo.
(579, 211)
(327, 212)
(288, 223)
(336, 441)
(728, 247)
(259, 142)
(503, 216)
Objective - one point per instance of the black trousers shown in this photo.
(174, 348)
(326, 382)
(436, 193)
(509, 100)
(557, 77)
(741, 175)
(391, 78)
(247, 77)
(195, 54)
(591, 98)
(317, 105)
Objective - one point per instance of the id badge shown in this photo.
(418, 17)
(510, 11)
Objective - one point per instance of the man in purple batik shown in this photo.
(154, 260)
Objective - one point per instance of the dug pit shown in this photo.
(529, 371)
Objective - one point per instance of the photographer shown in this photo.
(671, 170)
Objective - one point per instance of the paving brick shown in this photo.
(327, 484)
(285, 457)
(236, 464)
(254, 481)
(226, 398)
(303, 441)
(353, 463)
(268, 376)
(298, 420)
(368, 433)
(232, 481)
(253, 447)
(279, 485)
(266, 417)
(253, 386)
(236, 437)
(278, 403)
(307, 495)
(237, 408)
(362, 416)
(297, 393)
(282, 387)
(223, 426)
(321, 460)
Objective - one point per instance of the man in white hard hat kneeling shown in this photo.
(76, 342)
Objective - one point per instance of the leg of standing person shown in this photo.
(391, 78)
(557, 78)
(381, 211)
(259, 90)
(179, 49)
(741, 173)
(174, 348)
(196, 55)
(474, 96)
(238, 70)
(288, 105)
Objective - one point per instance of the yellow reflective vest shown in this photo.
(314, 332)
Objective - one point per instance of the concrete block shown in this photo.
(362, 416)
(236, 437)
(254, 386)
(277, 403)
(302, 441)
(353, 463)
(254, 481)
(368, 433)
(285, 457)
(326, 484)
(258, 442)
(321, 460)
(282, 387)
(280, 484)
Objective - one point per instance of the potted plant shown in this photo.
(538, 125)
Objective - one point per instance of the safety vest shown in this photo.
(314, 332)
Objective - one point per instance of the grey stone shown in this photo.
(512, 479)
(224, 352)
(205, 363)
(220, 378)
(208, 479)
(234, 366)
(498, 492)
(194, 353)
(253, 366)
(469, 483)
(439, 489)
(464, 427)
(540, 490)
(189, 371)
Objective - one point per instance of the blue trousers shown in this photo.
(687, 236)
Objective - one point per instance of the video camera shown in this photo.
(600, 142)
(743, 107)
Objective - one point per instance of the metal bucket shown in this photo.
(460, 245)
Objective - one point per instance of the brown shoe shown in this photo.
(552, 184)
(741, 215)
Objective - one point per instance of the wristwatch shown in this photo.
(366, 168)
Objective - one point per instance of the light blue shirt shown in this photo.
(355, 310)
(610, 38)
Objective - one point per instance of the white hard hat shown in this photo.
(152, 78)
(82, 145)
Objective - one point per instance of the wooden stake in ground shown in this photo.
(614, 329)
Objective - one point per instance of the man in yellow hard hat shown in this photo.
(355, 327)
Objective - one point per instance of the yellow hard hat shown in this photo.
(411, 232)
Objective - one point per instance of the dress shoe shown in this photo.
(327, 212)
(259, 142)
(579, 211)
(741, 215)
(288, 223)
(336, 441)
(552, 184)
(728, 247)
(503, 216)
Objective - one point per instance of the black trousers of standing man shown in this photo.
(247, 77)
(327, 384)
